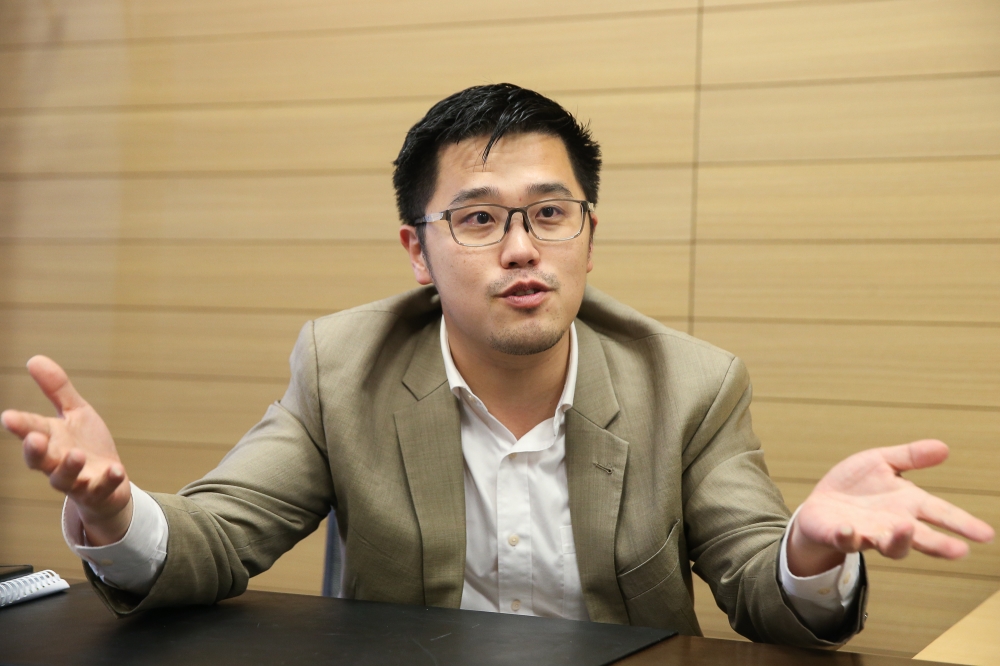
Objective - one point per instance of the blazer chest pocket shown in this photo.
(653, 571)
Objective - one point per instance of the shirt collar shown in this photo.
(458, 385)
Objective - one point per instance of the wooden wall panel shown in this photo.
(898, 119)
(646, 203)
(946, 199)
(68, 21)
(752, 5)
(612, 53)
(929, 365)
(266, 276)
(905, 609)
(300, 138)
(652, 278)
(210, 275)
(213, 344)
(943, 282)
(635, 128)
(157, 467)
(179, 411)
(347, 206)
(299, 571)
(840, 40)
(24, 541)
(803, 440)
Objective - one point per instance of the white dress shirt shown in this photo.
(520, 556)
(519, 552)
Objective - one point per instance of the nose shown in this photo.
(518, 246)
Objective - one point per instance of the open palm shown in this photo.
(863, 503)
(76, 451)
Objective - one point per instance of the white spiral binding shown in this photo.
(35, 584)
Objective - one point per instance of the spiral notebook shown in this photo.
(30, 586)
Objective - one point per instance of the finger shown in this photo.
(932, 542)
(847, 540)
(54, 383)
(895, 541)
(22, 423)
(915, 455)
(37, 454)
(106, 483)
(64, 477)
(936, 511)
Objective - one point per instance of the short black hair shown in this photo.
(488, 110)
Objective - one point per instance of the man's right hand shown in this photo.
(76, 451)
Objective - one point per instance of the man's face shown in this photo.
(520, 295)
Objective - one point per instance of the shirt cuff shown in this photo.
(821, 600)
(133, 563)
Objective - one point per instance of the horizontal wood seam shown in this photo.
(348, 101)
(611, 166)
(357, 30)
(875, 403)
(157, 376)
(932, 489)
(204, 309)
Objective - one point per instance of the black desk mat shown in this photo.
(270, 628)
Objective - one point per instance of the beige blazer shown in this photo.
(663, 467)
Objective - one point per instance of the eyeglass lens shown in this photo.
(483, 224)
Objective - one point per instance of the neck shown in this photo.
(519, 391)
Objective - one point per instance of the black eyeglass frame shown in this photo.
(586, 208)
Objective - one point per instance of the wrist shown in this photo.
(108, 529)
(806, 557)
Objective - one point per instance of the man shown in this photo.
(503, 438)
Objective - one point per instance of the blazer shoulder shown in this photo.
(622, 327)
(373, 324)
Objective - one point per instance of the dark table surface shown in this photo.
(271, 628)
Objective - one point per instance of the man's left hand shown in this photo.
(863, 503)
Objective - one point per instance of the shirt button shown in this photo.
(513, 456)
(824, 590)
(515, 605)
(107, 563)
(847, 579)
(513, 539)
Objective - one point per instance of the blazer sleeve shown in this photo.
(237, 520)
(735, 518)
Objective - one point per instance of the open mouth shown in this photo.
(524, 288)
(525, 295)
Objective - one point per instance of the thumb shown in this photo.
(54, 383)
(915, 455)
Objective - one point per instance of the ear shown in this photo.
(411, 243)
(590, 245)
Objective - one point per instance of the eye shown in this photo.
(477, 218)
(549, 212)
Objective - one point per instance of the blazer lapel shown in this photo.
(430, 435)
(595, 470)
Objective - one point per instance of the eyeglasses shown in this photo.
(479, 225)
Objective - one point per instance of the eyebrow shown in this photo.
(488, 191)
(549, 188)
(474, 193)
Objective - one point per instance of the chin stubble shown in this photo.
(533, 338)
